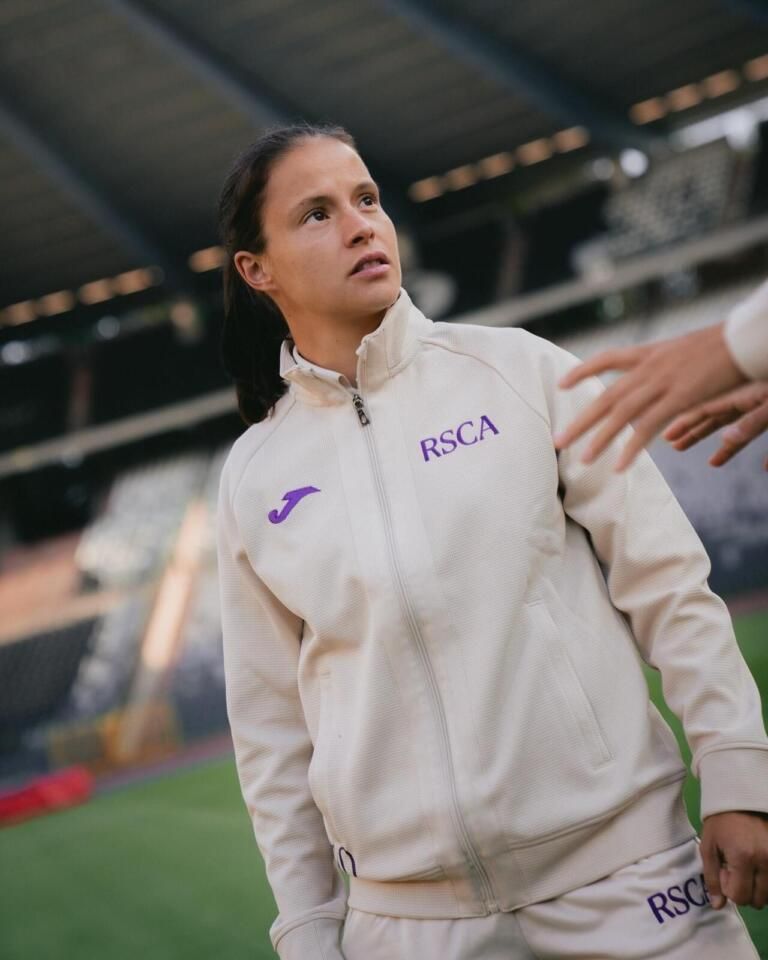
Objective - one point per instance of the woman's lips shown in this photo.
(371, 270)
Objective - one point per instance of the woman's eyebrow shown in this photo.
(321, 198)
(324, 198)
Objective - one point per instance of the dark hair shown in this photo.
(254, 327)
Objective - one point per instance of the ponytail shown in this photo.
(254, 326)
(253, 331)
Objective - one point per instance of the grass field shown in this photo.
(168, 868)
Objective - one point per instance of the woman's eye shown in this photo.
(370, 196)
(312, 214)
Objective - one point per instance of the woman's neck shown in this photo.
(334, 348)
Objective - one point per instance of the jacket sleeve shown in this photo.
(656, 572)
(746, 334)
(272, 751)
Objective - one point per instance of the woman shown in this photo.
(433, 691)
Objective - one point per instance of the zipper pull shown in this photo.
(358, 402)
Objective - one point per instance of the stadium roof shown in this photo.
(119, 118)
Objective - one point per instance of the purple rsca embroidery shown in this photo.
(466, 434)
(291, 499)
(678, 900)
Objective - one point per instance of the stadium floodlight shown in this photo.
(633, 162)
(602, 168)
(738, 125)
(741, 129)
(108, 327)
(15, 352)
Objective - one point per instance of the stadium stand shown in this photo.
(130, 539)
(680, 196)
(120, 557)
(197, 684)
(103, 680)
(38, 672)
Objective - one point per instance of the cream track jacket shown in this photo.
(746, 334)
(433, 632)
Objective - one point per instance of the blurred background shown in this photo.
(596, 172)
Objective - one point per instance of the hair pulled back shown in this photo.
(254, 326)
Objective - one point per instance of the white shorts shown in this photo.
(654, 908)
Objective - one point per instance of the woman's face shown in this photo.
(321, 214)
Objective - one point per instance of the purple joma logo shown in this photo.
(291, 499)
(466, 434)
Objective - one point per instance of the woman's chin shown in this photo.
(378, 293)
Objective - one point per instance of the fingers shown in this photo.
(734, 851)
(741, 433)
(751, 425)
(706, 428)
(613, 425)
(721, 410)
(727, 451)
(621, 413)
(723, 455)
(696, 417)
(595, 412)
(684, 423)
(634, 445)
(623, 359)
(760, 889)
(737, 881)
(736, 403)
(648, 398)
(645, 429)
(710, 857)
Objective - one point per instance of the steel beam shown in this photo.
(95, 202)
(261, 106)
(756, 9)
(258, 106)
(518, 72)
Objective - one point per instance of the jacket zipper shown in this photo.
(362, 415)
(461, 827)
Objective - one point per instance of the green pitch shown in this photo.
(169, 869)
(164, 869)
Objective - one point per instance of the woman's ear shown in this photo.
(254, 270)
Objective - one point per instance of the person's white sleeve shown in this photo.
(272, 751)
(656, 572)
(746, 334)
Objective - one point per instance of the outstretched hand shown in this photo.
(746, 405)
(734, 850)
(662, 381)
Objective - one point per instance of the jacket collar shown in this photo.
(381, 354)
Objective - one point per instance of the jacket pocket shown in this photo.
(573, 694)
(319, 767)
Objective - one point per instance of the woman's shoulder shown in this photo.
(252, 442)
(505, 347)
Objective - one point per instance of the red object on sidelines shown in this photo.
(54, 791)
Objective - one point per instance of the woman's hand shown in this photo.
(734, 849)
(746, 405)
(662, 381)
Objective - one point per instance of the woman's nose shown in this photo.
(358, 226)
